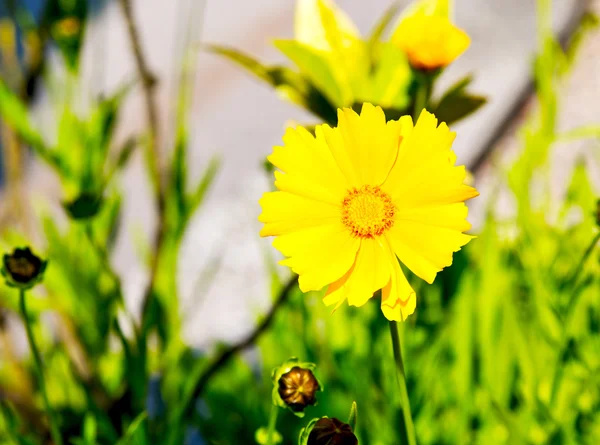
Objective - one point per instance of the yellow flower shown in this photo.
(430, 42)
(354, 199)
(67, 27)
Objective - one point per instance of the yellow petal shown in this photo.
(451, 216)
(309, 26)
(343, 159)
(398, 299)
(425, 249)
(309, 166)
(425, 141)
(285, 212)
(437, 186)
(371, 144)
(303, 186)
(369, 273)
(424, 174)
(319, 255)
(430, 42)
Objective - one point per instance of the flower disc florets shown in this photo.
(367, 211)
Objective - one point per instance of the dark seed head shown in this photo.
(331, 432)
(22, 268)
(298, 388)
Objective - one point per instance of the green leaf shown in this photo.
(195, 200)
(10, 426)
(305, 432)
(585, 132)
(290, 85)
(317, 68)
(179, 175)
(135, 433)
(14, 112)
(457, 104)
(353, 417)
(381, 26)
(581, 193)
(90, 428)
(123, 157)
(255, 67)
(391, 78)
(71, 146)
(345, 51)
(103, 120)
(589, 22)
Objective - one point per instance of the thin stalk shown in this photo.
(271, 430)
(424, 85)
(411, 438)
(54, 429)
(583, 260)
(154, 155)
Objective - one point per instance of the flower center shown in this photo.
(367, 211)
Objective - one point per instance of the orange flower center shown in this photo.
(367, 211)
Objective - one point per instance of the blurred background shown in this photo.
(226, 121)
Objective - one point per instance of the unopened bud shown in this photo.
(295, 386)
(332, 431)
(22, 268)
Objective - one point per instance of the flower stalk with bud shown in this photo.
(22, 269)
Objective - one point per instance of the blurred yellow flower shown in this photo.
(354, 199)
(430, 41)
(67, 27)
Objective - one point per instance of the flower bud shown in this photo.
(430, 42)
(85, 206)
(22, 268)
(67, 28)
(298, 388)
(295, 386)
(326, 431)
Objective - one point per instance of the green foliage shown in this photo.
(456, 103)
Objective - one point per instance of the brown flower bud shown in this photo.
(298, 388)
(22, 268)
(331, 432)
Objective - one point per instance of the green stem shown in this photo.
(584, 258)
(411, 438)
(272, 424)
(424, 85)
(54, 430)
